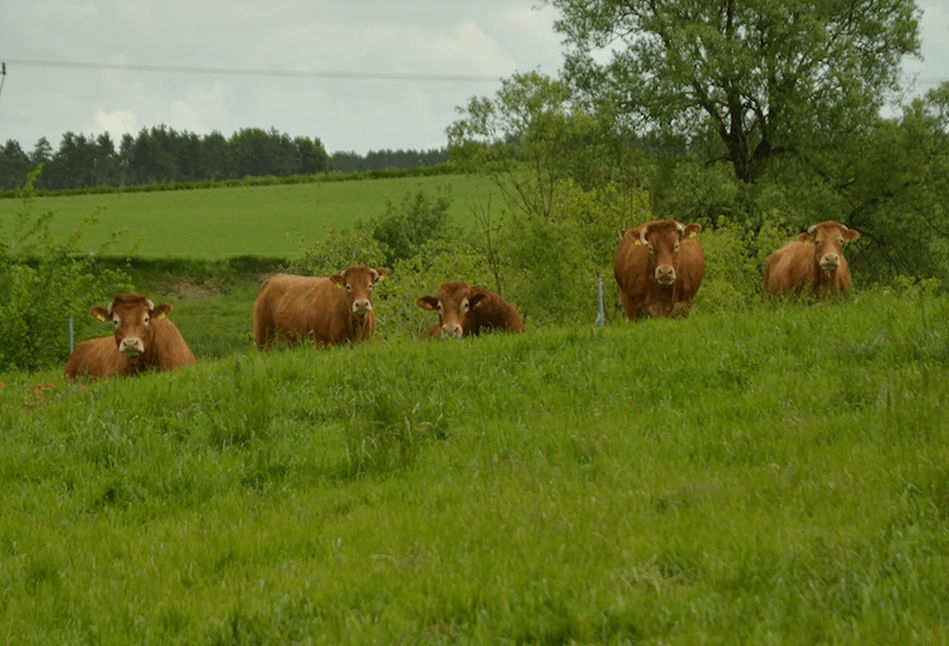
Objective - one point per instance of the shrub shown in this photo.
(735, 256)
(404, 228)
(45, 282)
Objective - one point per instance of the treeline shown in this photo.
(353, 162)
(163, 155)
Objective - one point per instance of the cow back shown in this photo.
(168, 349)
(97, 358)
(493, 313)
(296, 308)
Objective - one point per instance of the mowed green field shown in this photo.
(267, 221)
(775, 476)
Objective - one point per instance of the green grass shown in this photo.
(774, 476)
(266, 221)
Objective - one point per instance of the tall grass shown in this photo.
(773, 476)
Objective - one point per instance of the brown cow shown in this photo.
(814, 263)
(144, 338)
(659, 267)
(464, 310)
(326, 311)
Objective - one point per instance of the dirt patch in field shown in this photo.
(190, 291)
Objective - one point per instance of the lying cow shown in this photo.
(322, 311)
(659, 267)
(814, 264)
(144, 339)
(464, 310)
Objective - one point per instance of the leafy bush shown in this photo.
(735, 256)
(45, 282)
(404, 228)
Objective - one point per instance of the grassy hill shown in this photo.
(216, 223)
(778, 475)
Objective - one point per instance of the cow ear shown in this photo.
(427, 302)
(692, 230)
(851, 234)
(338, 280)
(161, 310)
(805, 238)
(476, 298)
(100, 314)
(383, 272)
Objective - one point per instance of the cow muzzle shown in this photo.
(131, 347)
(830, 262)
(362, 307)
(452, 330)
(665, 274)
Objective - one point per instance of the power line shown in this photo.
(334, 74)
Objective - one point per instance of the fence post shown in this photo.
(70, 336)
(601, 315)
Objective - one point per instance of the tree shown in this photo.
(14, 165)
(765, 78)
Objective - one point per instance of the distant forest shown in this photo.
(164, 155)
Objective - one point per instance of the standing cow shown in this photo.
(659, 267)
(814, 263)
(144, 338)
(464, 310)
(324, 311)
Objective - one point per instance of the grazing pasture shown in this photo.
(772, 475)
(218, 223)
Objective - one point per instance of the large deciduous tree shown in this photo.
(767, 77)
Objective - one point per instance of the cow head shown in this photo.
(828, 239)
(358, 281)
(132, 314)
(662, 240)
(455, 304)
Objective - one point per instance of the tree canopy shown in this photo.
(765, 77)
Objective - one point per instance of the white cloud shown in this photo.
(116, 123)
(488, 37)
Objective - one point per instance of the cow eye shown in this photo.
(370, 287)
(147, 319)
(116, 323)
(651, 250)
(677, 246)
(349, 287)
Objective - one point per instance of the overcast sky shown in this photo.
(455, 38)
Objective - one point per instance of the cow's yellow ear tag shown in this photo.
(693, 235)
(99, 317)
(160, 316)
(381, 278)
(638, 242)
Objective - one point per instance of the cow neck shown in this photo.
(359, 325)
(826, 282)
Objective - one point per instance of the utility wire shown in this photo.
(334, 74)
(371, 76)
